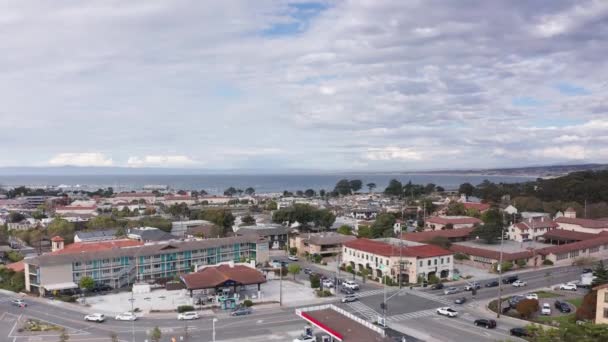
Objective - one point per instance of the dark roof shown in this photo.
(215, 276)
(585, 223)
(429, 235)
(263, 230)
(563, 234)
(324, 239)
(148, 234)
(96, 234)
(388, 250)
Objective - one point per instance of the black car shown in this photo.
(521, 332)
(307, 271)
(346, 290)
(562, 307)
(101, 288)
(513, 301)
(587, 270)
(486, 323)
(437, 286)
(510, 280)
(460, 300)
(493, 283)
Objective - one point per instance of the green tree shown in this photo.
(223, 218)
(429, 188)
(155, 334)
(15, 217)
(394, 188)
(383, 225)
(249, 191)
(309, 193)
(315, 281)
(270, 205)
(466, 188)
(300, 193)
(231, 191)
(86, 283)
(294, 269)
(489, 233)
(601, 274)
(102, 222)
(365, 232)
(345, 230)
(120, 232)
(568, 332)
(440, 241)
(456, 209)
(248, 220)
(324, 218)
(371, 186)
(322, 193)
(343, 187)
(14, 256)
(63, 228)
(364, 274)
(355, 185)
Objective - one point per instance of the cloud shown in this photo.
(392, 153)
(81, 159)
(161, 161)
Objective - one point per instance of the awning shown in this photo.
(61, 286)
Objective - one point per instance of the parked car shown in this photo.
(546, 310)
(510, 280)
(349, 298)
(486, 323)
(305, 338)
(437, 286)
(460, 300)
(587, 270)
(562, 306)
(350, 284)
(293, 258)
(470, 286)
(96, 317)
(447, 311)
(347, 291)
(307, 270)
(513, 301)
(450, 290)
(18, 302)
(493, 283)
(519, 283)
(568, 287)
(190, 315)
(328, 284)
(520, 332)
(532, 296)
(101, 288)
(126, 316)
(241, 311)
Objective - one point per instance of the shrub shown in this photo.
(527, 307)
(506, 266)
(316, 258)
(389, 281)
(315, 281)
(185, 308)
(521, 263)
(433, 279)
(587, 310)
(324, 293)
(461, 256)
(547, 262)
(248, 303)
(350, 269)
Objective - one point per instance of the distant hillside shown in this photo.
(546, 171)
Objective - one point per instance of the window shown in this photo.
(442, 261)
(606, 297)
(428, 263)
(562, 256)
(386, 262)
(594, 249)
(435, 262)
(420, 263)
(605, 312)
(448, 260)
(574, 254)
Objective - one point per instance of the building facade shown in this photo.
(530, 229)
(456, 222)
(324, 244)
(601, 313)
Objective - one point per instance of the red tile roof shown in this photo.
(453, 220)
(488, 253)
(18, 266)
(568, 235)
(388, 250)
(135, 194)
(600, 240)
(78, 247)
(585, 223)
(178, 198)
(448, 233)
(214, 276)
(57, 239)
(476, 206)
(75, 207)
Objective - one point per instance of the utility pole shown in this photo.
(401, 249)
(502, 239)
(132, 300)
(280, 288)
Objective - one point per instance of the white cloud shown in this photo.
(326, 90)
(392, 153)
(81, 159)
(573, 152)
(161, 161)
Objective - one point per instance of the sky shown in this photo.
(325, 85)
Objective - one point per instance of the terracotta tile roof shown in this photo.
(453, 220)
(18, 266)
(57, 239)
(476, 206)
(78, 247)
(178, 198)
(536, 223)
(600, 240)
(568, 235)
(214, 276)
(488, 253)
(448, 233)
(585, 223)
(388, 250)
(135, 194)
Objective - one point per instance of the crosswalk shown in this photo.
(363, 310)
(375, 292)
(411, 315)
(429, 296)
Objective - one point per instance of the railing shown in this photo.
(359, 320)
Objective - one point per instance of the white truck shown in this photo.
(586, 280)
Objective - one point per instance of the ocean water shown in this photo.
(216, 184)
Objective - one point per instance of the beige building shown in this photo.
(319, 243)
(457, 222)
(581, 225)
(383, 259)
(601, 312)
(530, 229)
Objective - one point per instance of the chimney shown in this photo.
(57, 243)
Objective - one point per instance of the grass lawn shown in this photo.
(559, 319)
(575, 301)
(547, 294)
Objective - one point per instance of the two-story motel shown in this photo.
(381, 258)
(119, 263)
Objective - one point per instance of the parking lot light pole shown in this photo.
(132, 300)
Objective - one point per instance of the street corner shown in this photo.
(32, 328)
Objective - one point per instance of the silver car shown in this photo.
(450, 290)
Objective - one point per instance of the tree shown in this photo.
(294, 269)
(364, 274)
(155, 334)
(587, 310)
(527, 307)
(429, 188)
(86, 283)
(343, 187)
(456, 209)
(322, 193)
(223, 218)
(394, 188)
(440, 241)
(601, 274)
(365, 232)
(371, 186)
(383, 225)
(300, 193)
(248, 220)
(440, 189)
(63, 228)
(466, 189)
(568, 332)
(324, 218)
(355, 185)
(488, 232)
(64, 337)
(271, 205)
(315, 281)
(15, 217)
(309, 193)
(102, 222)
(120, 232)
(249, 191)
(231, 191)
(14, 256)
(345, 230)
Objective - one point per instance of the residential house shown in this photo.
(530, 229)
(453, 235)
(325, 244)
(130, 197)
(582, 225)
(457, 222)
(80, 210)
(276, 234)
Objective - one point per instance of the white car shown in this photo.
(350, 284)
(447, 311)
(532, 296)
(190, 315)
(328, 284)
(293, 257)
(126, 316)
(546, 310)
(519, 283)
(305, 338)
(96, 317)
(568, 287)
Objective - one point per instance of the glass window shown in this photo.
(428, 262)
(606, 297)
(442, 261)
(420, 263)
(605, 312)
(435, 262)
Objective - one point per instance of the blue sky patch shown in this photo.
(301, 14)
(526, 101)
(571, 89)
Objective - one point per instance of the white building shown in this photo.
(530, 229)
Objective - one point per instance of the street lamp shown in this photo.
(214, 320)
(132, 300)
